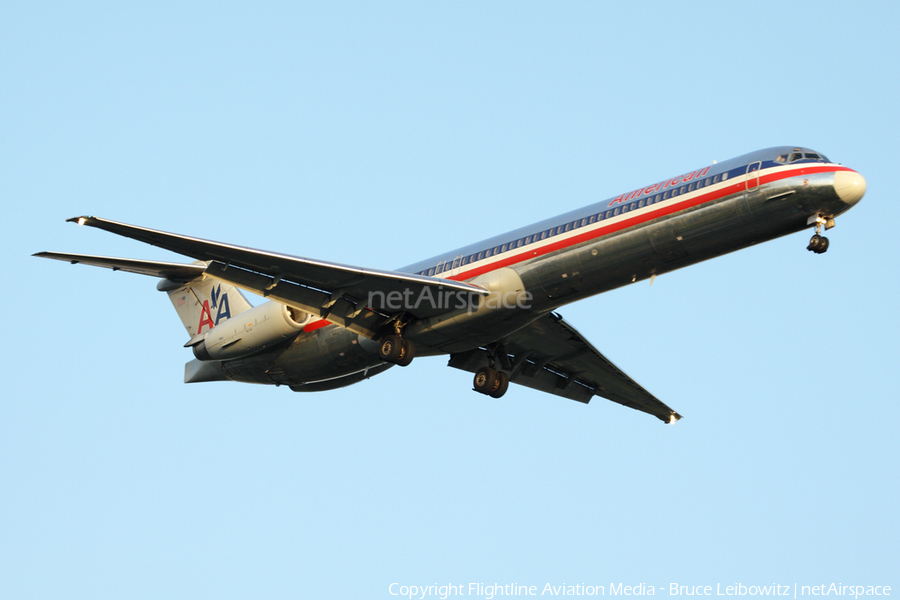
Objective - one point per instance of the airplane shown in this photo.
(490, 306)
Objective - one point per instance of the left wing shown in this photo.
(168, 270)
(551, 356)
(357, 298)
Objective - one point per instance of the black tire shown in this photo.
(814, 243)
(485, 380)
(407, 354)
(391, 348)
(823, 245)
(502, 385)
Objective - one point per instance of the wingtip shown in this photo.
(82, 220)
(673, 418)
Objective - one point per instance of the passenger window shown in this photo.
(609, 213)
(617, 211)
(503, 247)
(593, 219)
(724, 175)
(481, 255)
(641, 203)
(692, 187)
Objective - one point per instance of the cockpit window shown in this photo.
(782, 158)
(796, 156)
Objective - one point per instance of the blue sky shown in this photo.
(379, 135)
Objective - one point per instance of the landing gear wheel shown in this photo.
(408, 353)
(818, 244)
(394, 349)
(814, 243)
(391, 348)
(502, 385)
(486, 380)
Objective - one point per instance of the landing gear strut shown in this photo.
(397, 350)
(491, 382)
(819, 243)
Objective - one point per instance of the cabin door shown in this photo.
(753, 170)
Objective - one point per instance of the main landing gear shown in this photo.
(819, 243)
(491, 382)
(397, 350)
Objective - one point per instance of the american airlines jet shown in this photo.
(489, 306)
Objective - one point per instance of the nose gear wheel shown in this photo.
(818, 244)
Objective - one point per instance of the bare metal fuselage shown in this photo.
(750, 209)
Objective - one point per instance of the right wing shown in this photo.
(551, 356)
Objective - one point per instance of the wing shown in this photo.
(551, 356)
(168, 270)
(362, 300)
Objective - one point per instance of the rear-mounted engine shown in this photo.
(250, 332)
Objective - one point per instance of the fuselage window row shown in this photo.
(553, 231)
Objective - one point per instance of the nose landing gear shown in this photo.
(819, 243)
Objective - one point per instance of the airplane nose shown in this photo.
(850, 186)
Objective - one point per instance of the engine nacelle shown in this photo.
(250, 332)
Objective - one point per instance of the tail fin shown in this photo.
(204, 302)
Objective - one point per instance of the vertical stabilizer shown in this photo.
(204, 302)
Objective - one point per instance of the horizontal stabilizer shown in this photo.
(166, 270)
